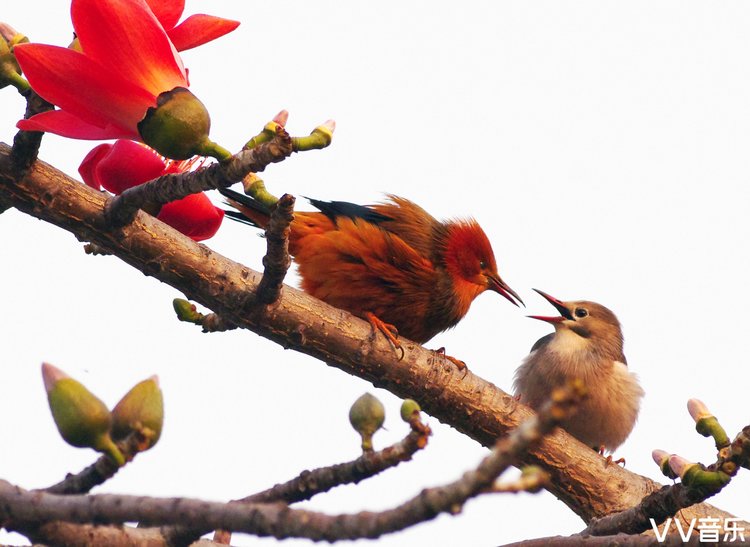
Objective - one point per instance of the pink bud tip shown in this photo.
(51, 375)
(7, 32)
(330, 125)
(698, 410)
(154, 379)
(281, 118)
(679, 465)
(660, 456)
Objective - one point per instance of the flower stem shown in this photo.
(19, 82)
(268, 132)
(210, 148)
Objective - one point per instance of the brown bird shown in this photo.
(392, 263)
(588, 345)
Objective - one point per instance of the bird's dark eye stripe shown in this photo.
(581, 312)
(482, 264)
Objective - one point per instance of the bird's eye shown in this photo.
(482, 264)
(581, 312)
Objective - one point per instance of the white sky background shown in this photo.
(603, 146)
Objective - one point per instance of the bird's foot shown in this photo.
(388, 330)
(460, 365)
(608, 459)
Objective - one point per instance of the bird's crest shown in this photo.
(468, 250)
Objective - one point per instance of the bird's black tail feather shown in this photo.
(246, 202)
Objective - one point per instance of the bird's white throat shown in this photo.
(566, 342)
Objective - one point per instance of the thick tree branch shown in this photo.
(86, 535)
(619, 540)
(472, 405)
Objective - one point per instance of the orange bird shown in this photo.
(391, 263)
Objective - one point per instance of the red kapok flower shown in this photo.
(194, 31)
(117, 167)
(126, 62)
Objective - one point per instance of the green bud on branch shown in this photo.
(140, 411)
(367, 415)
(81, 418)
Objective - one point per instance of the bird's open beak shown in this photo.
(564, 311)
(494, 283)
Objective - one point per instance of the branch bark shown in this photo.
(463, 400)
(22, 508)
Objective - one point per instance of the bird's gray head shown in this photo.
(593, 325)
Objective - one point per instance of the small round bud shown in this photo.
(141, 410)
(408, 408)
(177, 127)
(367, 415)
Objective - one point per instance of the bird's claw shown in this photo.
(608, 460)
(460, 365)
(389, 331)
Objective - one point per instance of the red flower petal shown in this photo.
(198, 29)
(126, 165)
(83, 88)
(125, 35)
(87, 169)
(195, 216)
(63, 123)
(168, 12)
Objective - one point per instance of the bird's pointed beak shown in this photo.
(559, 305)
(494, 283)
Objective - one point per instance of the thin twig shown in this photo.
(26, 143)
(277, 259)
(310, 483)
(665, 502)
(99, 472)
(121, 210)
(19, 508)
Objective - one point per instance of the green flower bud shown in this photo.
(186, 311)
(10, 71)
(367, 415)
(706, 423)
(680, 466)
(661, 458)
(81, 418)
(177, 127)
(408, 408)
(140, 410)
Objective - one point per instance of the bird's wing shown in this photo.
(543, 341)
(411, 223)
(360, 267)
